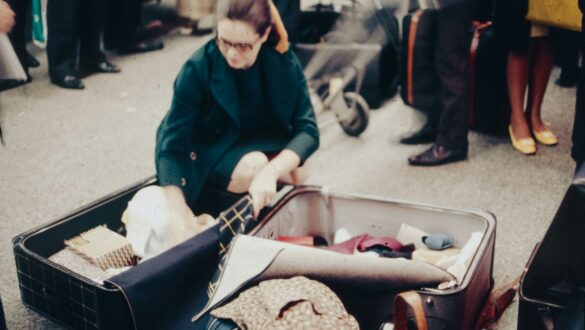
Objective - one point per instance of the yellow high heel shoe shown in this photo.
(545, 137)
(526, 146)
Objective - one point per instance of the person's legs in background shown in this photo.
(18, 34)
(578, 149)
(517, 74)
(92, 55)
(541, 63)
(63, 38)
(567, 56)
(452, 59)
(123, 28)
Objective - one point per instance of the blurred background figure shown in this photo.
(567, 57)
(529, 65)
(6, 17)
(6, 24)
(193, 11)
(453, 23)
(578, 151)
(74, 37)
(18, 35)
(124, 28)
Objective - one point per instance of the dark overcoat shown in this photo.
(203, 122)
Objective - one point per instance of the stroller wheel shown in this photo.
(357, 123)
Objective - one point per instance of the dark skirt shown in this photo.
(221, 174)
(511, 27)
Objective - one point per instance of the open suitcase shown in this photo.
(177, 279)
(556, 268)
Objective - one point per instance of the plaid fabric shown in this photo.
(239, 219)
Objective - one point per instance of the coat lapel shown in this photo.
(278, 74)
(223, 85)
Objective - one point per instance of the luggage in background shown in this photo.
(556, 269)
(420, 83)
(489, 106)
(489, 109)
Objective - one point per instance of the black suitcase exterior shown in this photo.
(66, 297)
(419, 80)
(557, 265)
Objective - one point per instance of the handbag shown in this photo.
(563, 14)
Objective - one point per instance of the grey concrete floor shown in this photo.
(67, 148)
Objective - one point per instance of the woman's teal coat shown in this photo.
(203, 122)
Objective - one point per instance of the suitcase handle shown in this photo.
(401, 303)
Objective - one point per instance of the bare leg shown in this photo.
(517, 71)
(540, 69)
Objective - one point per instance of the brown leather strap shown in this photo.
(410, 61)
(282, 45)
(478, 30)
(401, 303)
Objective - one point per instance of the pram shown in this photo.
(349, 49)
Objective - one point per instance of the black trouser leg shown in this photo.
(63, 36)
(17, 35)
(91, 28)
(578, 151)
(123, 22)
(568, 54)
(452, 58)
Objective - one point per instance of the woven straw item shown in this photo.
(103, 248)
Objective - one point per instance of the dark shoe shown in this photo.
(427, 134)
(438, 155)
(11, 83)
(105, 67)
(142, 47)
(69, 81)
(568, 79)
(567, 83)
(32, 61)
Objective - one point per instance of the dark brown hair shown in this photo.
(254, 12)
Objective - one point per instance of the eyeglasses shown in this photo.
(240, 47)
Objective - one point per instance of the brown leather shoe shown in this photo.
(438, 155)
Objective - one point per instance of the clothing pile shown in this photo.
(411, 243)
(295, 303)
(153, 224)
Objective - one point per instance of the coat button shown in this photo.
(193, 155)
(183, 182)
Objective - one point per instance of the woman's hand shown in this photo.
(6, 17)
(263, 187)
